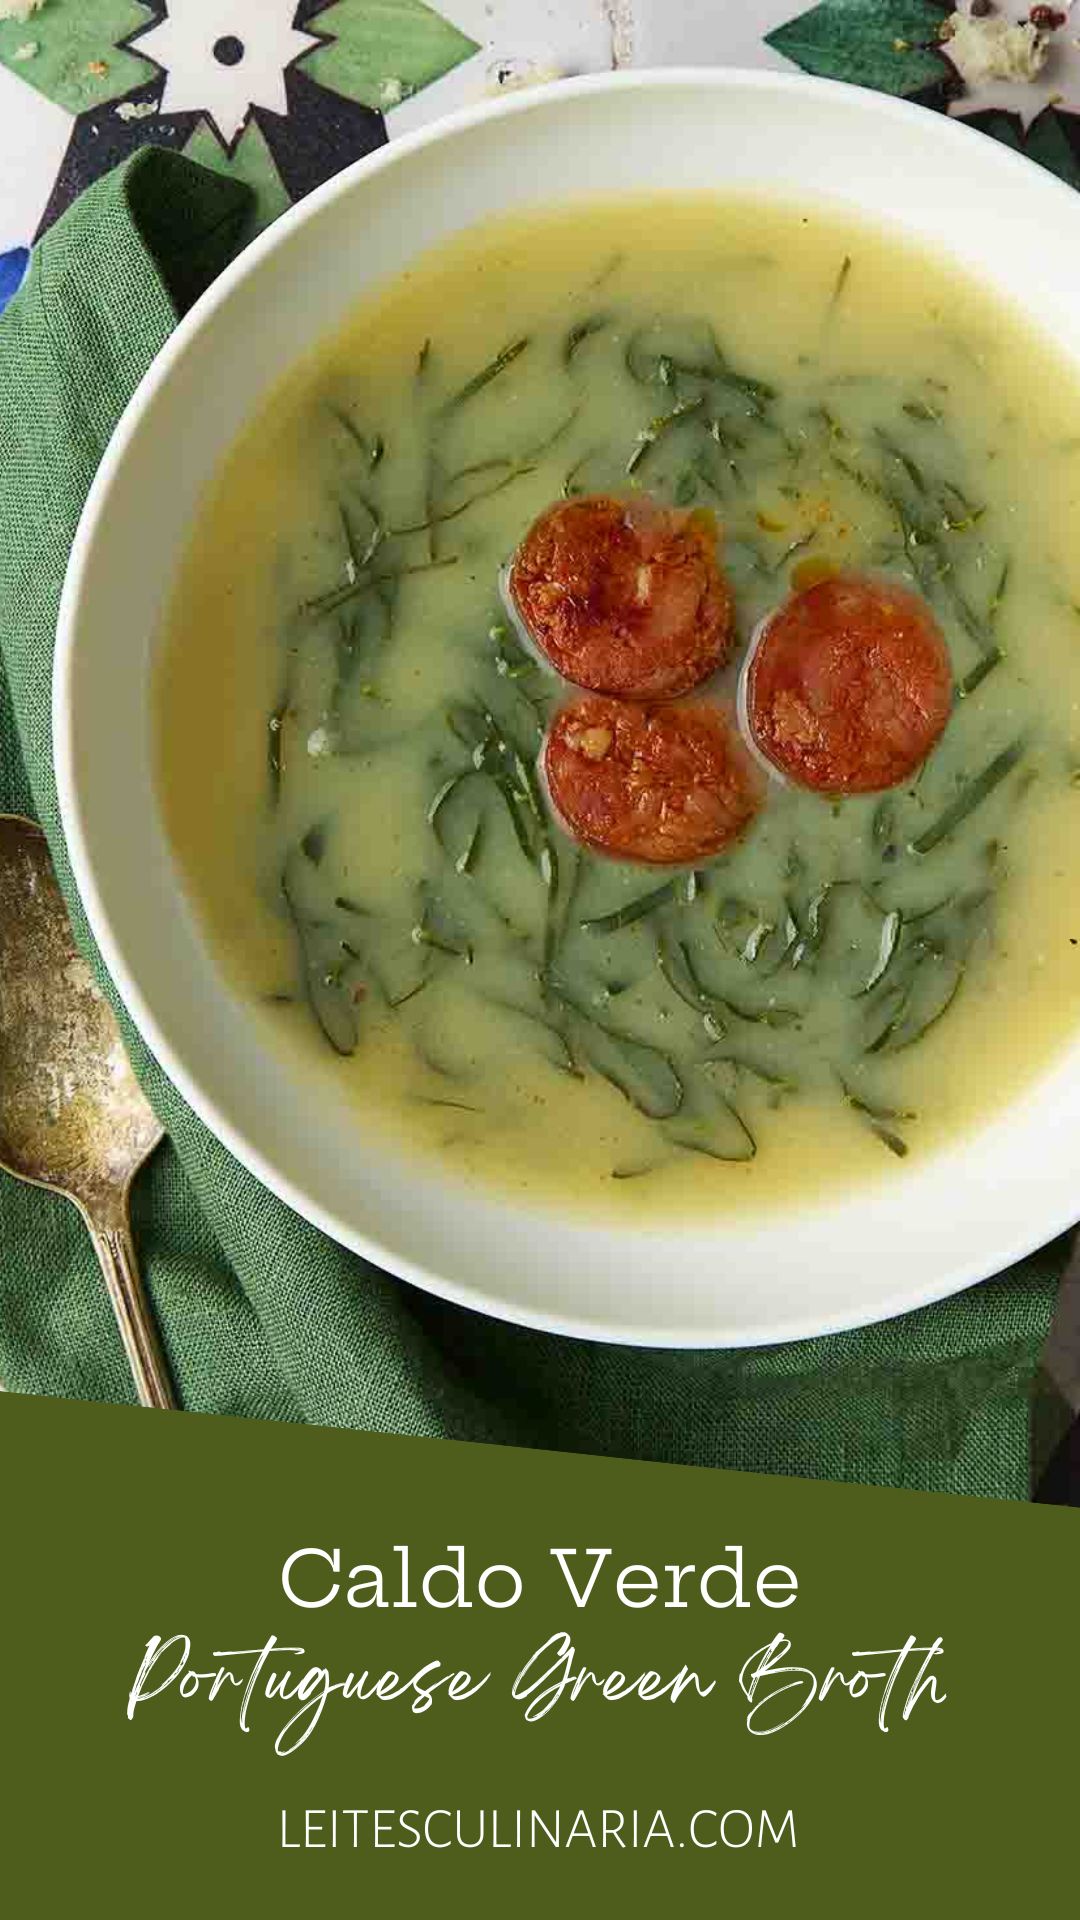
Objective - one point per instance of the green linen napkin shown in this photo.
(261, 1314)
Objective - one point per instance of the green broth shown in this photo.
(853, 981)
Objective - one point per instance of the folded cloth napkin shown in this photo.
(260, 1313)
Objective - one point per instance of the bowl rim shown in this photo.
(710, 78)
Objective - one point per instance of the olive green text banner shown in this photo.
(250, 1664)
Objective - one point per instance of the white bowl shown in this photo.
(885, 1249)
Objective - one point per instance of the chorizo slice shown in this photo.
(669, 784)
(625, 596)
(849, 685)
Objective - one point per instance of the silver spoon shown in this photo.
(72, 1115)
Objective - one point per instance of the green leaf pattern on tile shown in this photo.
(886, 44)
(250, 161)
(77, 62)
(1045, 142)
(383, 50)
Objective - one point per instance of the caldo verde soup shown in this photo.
(352, 719)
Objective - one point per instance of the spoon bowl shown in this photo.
(73, 1117)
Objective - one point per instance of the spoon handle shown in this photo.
(115, 1250)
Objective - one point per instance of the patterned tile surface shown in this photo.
(281, 92)
(285, 92)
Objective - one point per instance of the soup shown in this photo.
(351, 721)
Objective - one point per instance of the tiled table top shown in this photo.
(286, 92)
